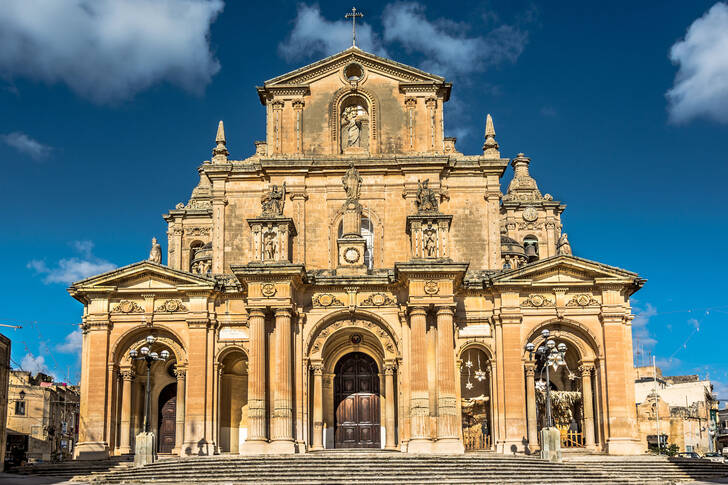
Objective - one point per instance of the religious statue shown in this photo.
(270, 248)
(352, 183)
(351, 122)
(430, 243)
(426, 200)
(563, 246)
(155, 255)
(272, 201)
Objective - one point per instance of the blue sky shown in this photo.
(109, 107)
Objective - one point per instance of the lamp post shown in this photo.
(549, 355)
(145, 448)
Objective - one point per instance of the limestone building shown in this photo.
(42, 418)
(357, 282)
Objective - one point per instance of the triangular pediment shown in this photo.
(142, 275)
(325, 67)
(565, 269)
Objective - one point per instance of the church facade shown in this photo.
(357, 282)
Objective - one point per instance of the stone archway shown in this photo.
(331, 340)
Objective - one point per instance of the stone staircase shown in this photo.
(395, 468)
(387, 467)
(71, 469)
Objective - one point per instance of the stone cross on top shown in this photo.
(353, 15)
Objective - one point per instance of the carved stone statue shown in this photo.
(426, 200)
(272, 201)
(155, 255)
(430, 243)
(270, 248)
(563, 246)
(351, 130)
(352, 183)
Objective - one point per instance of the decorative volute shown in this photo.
(523, 187)
(490, 147)
(220, 152)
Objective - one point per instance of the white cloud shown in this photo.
(33, 364)
(109, 50)
(701, 84)
(312, 34)
(26, 145)
(72, 269)
(72, 344)
(447, 52)
(641, 336)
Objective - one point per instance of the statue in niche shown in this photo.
(563, 246)
(426, 200)
(155, 255)
(351, 127)
(270, 248)
(272, 201)
(430, 243)
(352, 183)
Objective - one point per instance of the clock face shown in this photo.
(351, 255)
(530, 214)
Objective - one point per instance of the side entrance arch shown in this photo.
(356, 402)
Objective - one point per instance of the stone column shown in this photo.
(448, 429)
(531, 406)
(125, 439)
(588, 402)
(389, 394)
(318, 406)
(179, 435)
(282, 425)
(257, 439)
(420, 440)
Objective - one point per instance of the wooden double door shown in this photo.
(356, 400)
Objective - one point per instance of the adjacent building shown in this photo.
(42, 418)
(685, 407)
(358, 282)
(4, 382)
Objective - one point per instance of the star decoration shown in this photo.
(469, 364)
(480, 375)
(469, 385)
(572, 376)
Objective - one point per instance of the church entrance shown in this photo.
(356, 401)
(167, 418)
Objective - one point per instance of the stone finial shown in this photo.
(155, 255)
(220, 152)
(490, 147)
(523, 187)
(563, 246)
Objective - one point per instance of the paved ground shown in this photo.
(11, 479)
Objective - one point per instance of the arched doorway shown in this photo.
(167, 418)
(233, 398)
(356, 402)
(476, 400)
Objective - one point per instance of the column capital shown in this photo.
(445, 310)
(127, 374)
(256, 312)
(586, 369)
(416, 310)
(180, 374)
(389, 369)
(317, 368)
(530, 369)
(283, 312)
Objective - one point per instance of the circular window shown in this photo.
(353, 72)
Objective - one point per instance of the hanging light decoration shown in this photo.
(480, 373)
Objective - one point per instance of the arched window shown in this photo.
(194, 247)
(530, 244)
(367, 232)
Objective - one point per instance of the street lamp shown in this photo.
(148, 357)
(550, 355)
(22, 395)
